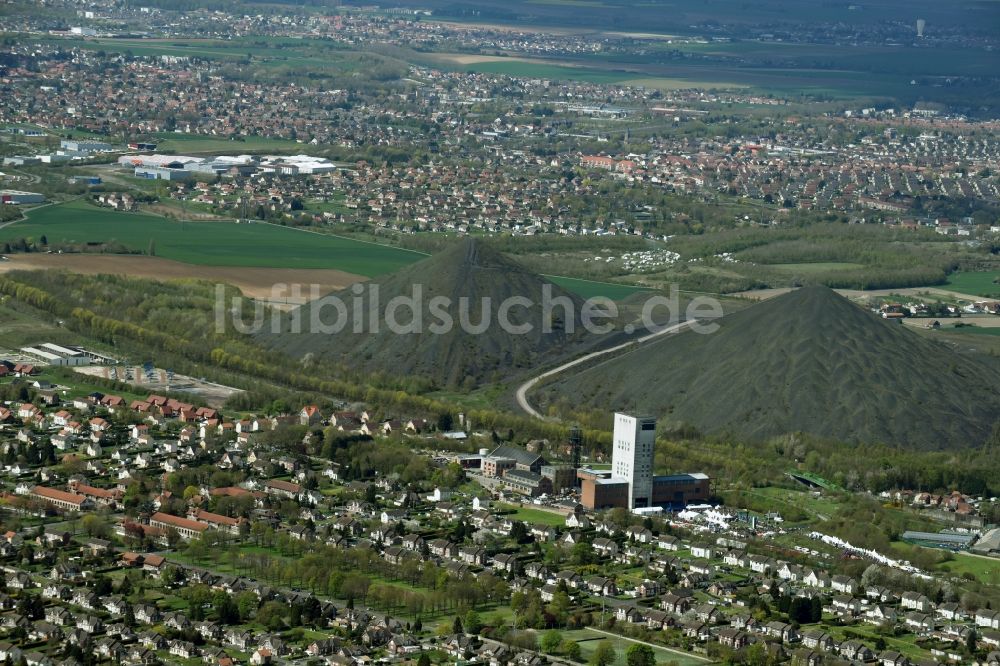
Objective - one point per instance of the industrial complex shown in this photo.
(180, 167)
(629, 484)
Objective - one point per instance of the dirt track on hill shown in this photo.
(254, 282)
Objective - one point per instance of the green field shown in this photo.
(841, 84)
(231, 244)
(567, 72)
(905, 644)
(535, 516)
(986, 570)
(588, 640)
(199, 143)
(977, 330)
(817, 267)
(210, 243)
(788, 502)
(18, 329)
(592, 288)
(538, 70)
(980, 283)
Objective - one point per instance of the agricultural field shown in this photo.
(209, 243)
(226, 246)
(592, 288)
(979, 283)
(540, 70)
(977, 330)
(794, 71)
(562, 70)
(817, 267)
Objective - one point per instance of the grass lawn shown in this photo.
(592, 288)
(979, 283)
(588, 640)
(18, 329)
(196, 143)
(784, 499)
(986, 570)
(210, 243)
(905, 644)
(533, 516)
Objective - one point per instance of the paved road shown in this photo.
(522, 390)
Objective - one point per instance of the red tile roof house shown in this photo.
(113, 402)
(283, 488)
(101, 496)
(188, 529)
(310, 415)
(149, 561)
(157, 400)
(216, 520)
(62, 499)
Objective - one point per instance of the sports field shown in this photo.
(198, 143)
(209, 243)
(533, 516)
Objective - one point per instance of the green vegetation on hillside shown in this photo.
(477, 281)
(808, 361)
(835, 255)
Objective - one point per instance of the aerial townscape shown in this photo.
(499, 332)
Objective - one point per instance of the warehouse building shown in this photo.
(85, 146)
(948, 540)
(21, 160)
(52, 354)
(162, 173)
(16, 197)
(170, 161)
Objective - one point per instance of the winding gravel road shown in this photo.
(522, 390)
